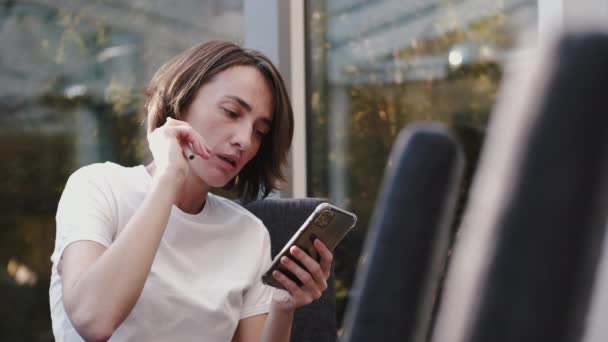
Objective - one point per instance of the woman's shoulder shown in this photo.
(234, 209)
(106, 172)
(107, 179)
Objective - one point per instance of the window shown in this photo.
(374, 66)
(71, 78)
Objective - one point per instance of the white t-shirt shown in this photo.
(206, 273)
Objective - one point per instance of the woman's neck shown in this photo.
(193, 194)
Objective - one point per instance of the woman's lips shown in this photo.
(226, 164)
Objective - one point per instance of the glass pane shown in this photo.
(375, 66)
(71, 79)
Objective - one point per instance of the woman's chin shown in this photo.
(211, 176)
(217, 185)
(214, 181)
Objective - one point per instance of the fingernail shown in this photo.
(294, 250)
(285, 260)
(203, 151)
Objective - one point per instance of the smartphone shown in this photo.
(328, 223)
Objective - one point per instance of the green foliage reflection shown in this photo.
(448, 72)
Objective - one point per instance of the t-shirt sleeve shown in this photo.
(258, 296)
(85, 211)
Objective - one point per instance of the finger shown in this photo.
(203, 149)
(174, 122)
(307, 280)
(312, 266)
(326, 257)
(185, 133)
(287, 283)
(187, 150)
(199, 144)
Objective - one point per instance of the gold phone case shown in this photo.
(328, 223)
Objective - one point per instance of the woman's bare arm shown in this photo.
(101, 286)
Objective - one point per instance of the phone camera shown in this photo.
(325, 219)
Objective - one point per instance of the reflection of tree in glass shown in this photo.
(39, 145)
(378, 112)
(390, 99)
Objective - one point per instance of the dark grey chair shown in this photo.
(406, 245)
(315, 322)
(533, 230)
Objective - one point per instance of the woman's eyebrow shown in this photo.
(240, 101)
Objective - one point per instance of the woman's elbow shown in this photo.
(93, 335)
(91, 326)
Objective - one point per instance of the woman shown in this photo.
(147, 253)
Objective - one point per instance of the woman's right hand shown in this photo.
(167, 144)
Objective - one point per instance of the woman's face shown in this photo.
(232, 113)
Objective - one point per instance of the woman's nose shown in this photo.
(242, 137)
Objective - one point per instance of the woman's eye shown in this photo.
(259, 133)
(231, 113)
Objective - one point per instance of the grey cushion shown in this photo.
(317, 321)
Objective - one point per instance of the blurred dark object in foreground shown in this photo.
(533, 230)
(406, 246)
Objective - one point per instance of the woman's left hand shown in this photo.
(313, 277)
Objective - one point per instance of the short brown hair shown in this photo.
(175, 84)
